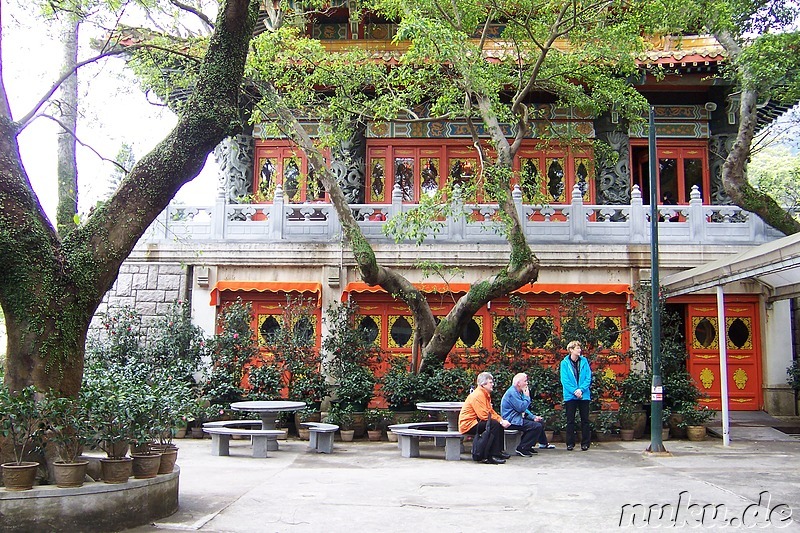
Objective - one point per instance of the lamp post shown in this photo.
(657, 390)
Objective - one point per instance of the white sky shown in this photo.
(113, 108)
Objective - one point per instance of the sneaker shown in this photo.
(533, 451)
(504, 455)
(523, 453)
(584, 447)
(547, 446)
(570, 447)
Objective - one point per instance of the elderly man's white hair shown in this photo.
(519, 377)
(483, 377)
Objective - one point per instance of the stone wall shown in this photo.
(150, 288)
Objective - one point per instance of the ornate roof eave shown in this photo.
(661, 50)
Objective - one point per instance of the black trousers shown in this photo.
(497, 436)
(586, 432)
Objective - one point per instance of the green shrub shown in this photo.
(400, 387)
(793, 375)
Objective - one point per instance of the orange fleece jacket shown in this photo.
(477, 406)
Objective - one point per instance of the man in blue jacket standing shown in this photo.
(513, 407)
(576, 378)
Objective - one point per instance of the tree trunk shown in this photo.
(50, 288)
(734, 175)
(68, 111)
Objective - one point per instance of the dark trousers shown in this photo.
(531, 432)
(586, 432)
(497, 435)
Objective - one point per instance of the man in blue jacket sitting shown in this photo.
(513, 407)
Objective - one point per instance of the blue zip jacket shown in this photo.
(513, 405)
(570, 383)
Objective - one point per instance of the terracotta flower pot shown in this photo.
(169, 455)
(347, 434)
(146, 465)
(116, 470)
(19, 476)
(374, 434)
(696, 433)
(70, 474)
(626, 434)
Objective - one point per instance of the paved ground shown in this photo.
(367, 486)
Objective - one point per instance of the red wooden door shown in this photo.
(744, 354)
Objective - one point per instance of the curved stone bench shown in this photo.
(222, 430)
(408, 436)
(511, 439)
(320, 436)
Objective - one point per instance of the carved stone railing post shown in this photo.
(697, 221)
(456, 222)
(277, 217)
(577, 216)
(397, 201)
(516, 195)
(219, 216)
(638, 220)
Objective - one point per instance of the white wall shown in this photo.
(777, 356)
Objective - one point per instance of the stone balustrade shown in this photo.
(575, 222)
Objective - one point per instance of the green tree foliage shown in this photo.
(293, 346)
(761, 39)
(579, 55)
(775, 170)
(231, 350)
(350, 356)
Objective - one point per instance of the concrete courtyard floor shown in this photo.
(365, 486)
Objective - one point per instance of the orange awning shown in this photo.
(575, 288)
(264, 286)
(536, 288)
(360, 286)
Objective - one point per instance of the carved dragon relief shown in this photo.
(613, 177)
(234, 156)
(349, 166)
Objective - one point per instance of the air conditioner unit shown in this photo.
(645, 275)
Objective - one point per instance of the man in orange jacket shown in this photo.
(476, 413)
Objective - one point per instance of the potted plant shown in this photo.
(401, 388)
(634, 392)
(694, 419)
(607, 425)
(627, 420)
(793, 377)
(375, 420)
(350, 357)
(107, 398)
(68, 431)
(21, 423)
(342, 416)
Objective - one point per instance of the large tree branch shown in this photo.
(30, 115)
(210, 114)
(190, 9)
(734, 173)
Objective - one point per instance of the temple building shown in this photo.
(271, 232)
